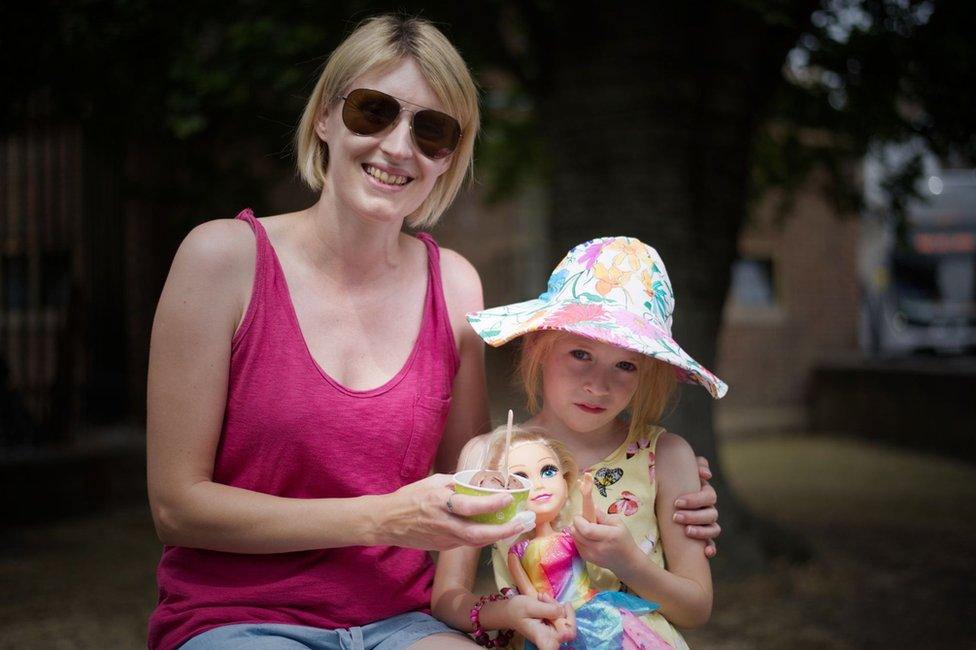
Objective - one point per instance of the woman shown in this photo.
(308, 369)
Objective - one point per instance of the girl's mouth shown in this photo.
(586, 408)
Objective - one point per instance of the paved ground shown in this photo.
(893, 561)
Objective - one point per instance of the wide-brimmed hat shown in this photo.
(612, 289)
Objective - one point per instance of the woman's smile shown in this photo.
(385, 177)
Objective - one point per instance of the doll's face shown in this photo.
(538, 463)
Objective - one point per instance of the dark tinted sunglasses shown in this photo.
(367, 112)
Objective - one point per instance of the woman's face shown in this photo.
(587, 383)
(538, 463)
(355, 161)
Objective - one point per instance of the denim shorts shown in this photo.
(394, 633)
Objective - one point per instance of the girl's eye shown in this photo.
(522, 474)
(581, 355)
(549, 471)
(629, 366)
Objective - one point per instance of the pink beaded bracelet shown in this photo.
(480, 636)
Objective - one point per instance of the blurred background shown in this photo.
(806, 169)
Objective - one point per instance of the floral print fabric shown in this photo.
(612, 289)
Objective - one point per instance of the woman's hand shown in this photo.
(429, 515)
(697, 512)
(540, 619)
(606, 543)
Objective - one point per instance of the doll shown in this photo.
(546, 560)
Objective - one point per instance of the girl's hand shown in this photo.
(606, 543)
(429, 515)
(540, 619)
(697, 512)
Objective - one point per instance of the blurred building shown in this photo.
(793, 304)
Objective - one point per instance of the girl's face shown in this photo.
(536, 462)
(355, 161)
(586, 383)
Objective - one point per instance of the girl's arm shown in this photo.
(684, 589)
(202, 303)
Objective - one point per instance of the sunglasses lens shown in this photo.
(367, 111)
(437, 133)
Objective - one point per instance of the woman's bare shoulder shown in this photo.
(221, 246)
(462, 284)
(213, 271)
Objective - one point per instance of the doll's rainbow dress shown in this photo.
(605, 620)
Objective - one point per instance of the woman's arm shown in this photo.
(468, 415)
(684, 590)
(202, 303)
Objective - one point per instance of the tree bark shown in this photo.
(650, 114)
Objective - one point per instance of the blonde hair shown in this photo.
(380, 43)
(533, 435)
(656, 381)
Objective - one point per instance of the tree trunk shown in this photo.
(650, 114)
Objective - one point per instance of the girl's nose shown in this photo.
(597, 384)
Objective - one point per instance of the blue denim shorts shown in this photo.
(394, 633)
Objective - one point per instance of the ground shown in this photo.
(893, 563)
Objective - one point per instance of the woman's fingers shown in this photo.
(474, 534)
(467, 505)
(700, 517)
(704, 498)
(704, 471)
(703, 532)
(711, 550)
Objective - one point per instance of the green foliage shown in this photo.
(209, 84)
(868, 73)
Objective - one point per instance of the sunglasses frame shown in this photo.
(413, 116)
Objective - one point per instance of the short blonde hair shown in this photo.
(380, 43)
(656, 381)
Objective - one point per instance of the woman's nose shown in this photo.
(397, 142)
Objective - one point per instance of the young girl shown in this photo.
(598, 343)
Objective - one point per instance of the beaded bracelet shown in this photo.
(480, 636)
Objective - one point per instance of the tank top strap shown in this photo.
(264, 269)
(435, 310)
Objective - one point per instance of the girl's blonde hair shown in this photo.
(656, 381)
(533, 435)
(380, 43)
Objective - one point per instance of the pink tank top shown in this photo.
(291, 430)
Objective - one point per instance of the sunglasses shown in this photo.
(367, 112)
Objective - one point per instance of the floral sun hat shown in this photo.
(612, 289)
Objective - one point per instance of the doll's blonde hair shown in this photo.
(533, 435)
(380, 43)
(656, 381)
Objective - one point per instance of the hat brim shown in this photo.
(499, 325)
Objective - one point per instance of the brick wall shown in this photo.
(767, 354)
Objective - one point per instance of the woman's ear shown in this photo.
(321, 123)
